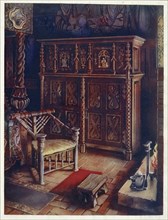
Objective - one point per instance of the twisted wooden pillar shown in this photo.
(19, 99)
(76, 60)
(42, 70)
(128, 105)
(83, 113)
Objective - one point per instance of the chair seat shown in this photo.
(55, 146)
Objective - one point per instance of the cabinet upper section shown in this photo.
(101, 55)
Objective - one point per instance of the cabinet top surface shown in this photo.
(90, 39)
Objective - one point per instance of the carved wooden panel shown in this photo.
(72, 119)
(95, 126)
(66, 56)
(136, 60)
(94, 95)
(46, 91)
(83, 61)
(113, 128)
(120, 58)
(55, 128)
(49, 58)
(56, 93)
(72, 93)
(102, 58)
(113, 96)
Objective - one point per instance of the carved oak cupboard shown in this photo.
(95, 84)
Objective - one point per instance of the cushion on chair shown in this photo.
(55, 146)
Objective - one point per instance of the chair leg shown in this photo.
(76, 159)
(76, 139)
(41, 141)
(41, 168)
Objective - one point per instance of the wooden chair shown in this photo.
(48, 154)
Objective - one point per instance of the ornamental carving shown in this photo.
(56, 90)
(83, 63)
(71, 93)
(113, 128)
(94, 131)
(55, 128)
(72, 119)
(102, 58)
(113, 96)
(94, 96)
(15, 142)
(46, 88)
(120, 51)
(49, 58)
(66, 58)
(19, 17)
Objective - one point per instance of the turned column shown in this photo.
(19, 97)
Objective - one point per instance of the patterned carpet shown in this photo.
(29, 197)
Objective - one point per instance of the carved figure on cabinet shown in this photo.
(64, 58)
(64, 61)
(104, 63)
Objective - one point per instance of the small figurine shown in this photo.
(138, 182)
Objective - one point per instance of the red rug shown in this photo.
(72, 181)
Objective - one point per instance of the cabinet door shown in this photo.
(62, 95)
(105, 105)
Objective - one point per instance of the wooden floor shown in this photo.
(116, 169)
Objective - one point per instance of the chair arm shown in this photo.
(30, 114)
(74, 132)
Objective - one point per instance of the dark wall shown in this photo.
(75, 20)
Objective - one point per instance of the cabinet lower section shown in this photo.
(99, 107)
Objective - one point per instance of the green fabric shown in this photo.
(55, 146)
